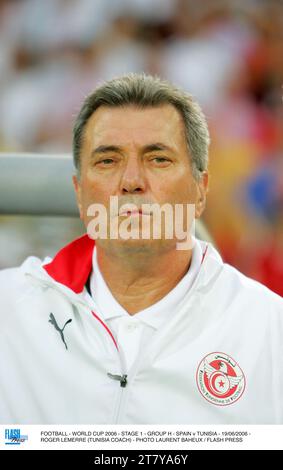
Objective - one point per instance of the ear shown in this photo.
(77, 188)
(202, 189)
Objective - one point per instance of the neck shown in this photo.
(139, 281)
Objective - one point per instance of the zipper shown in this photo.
(122, 378)
(123, 389)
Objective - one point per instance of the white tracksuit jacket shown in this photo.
(219, 360)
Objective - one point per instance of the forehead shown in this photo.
(130, 124)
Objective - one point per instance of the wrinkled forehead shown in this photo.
(132, 125)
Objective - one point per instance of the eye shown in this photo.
(161, 160)
(105, 161)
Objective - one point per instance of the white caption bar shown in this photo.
(140, 437)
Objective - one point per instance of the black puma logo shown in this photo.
(53, 321)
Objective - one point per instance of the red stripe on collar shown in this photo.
(72, 265)
(204, 254)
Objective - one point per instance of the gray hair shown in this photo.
(147, 91)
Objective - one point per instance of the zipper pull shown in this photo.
(122, 379)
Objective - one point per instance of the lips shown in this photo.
(131, 209)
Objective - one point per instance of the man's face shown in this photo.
(139, 155)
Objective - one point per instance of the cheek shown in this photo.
(91, 194)
(182, 190)
(94, 191)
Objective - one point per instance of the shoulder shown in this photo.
(250, 289)
(231, 288)
(11, 278)
(250, 303)
(15, 282)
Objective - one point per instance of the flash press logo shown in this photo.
(14, 437)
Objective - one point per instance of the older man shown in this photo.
(138, 329)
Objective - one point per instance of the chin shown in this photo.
(140, 246)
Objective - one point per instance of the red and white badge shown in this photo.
(220, 379)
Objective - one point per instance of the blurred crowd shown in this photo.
(227, 53)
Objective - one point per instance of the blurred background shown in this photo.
(228, 54)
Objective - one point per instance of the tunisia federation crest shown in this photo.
(220, 379)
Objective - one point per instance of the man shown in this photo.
(139, 330)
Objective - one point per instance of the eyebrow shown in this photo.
(106, 149)
(155, 147)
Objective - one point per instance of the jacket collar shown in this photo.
(72, 264)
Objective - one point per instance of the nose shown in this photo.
(133, 179)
